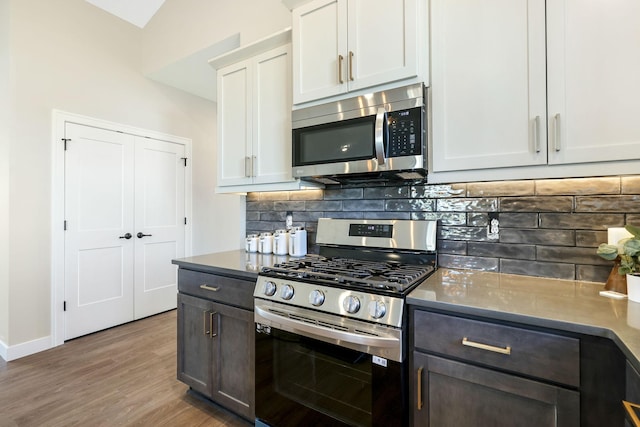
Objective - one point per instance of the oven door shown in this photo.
(315, 369)
(301, 381)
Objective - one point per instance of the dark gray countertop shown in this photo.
(567, 305)
(239, 264)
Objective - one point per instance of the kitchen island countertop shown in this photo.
(567, 305)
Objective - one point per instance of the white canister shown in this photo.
(265, 243)
(281, 242)
(251, 244)
(298, 241)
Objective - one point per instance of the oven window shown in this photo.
(335, 142)
(330, 379)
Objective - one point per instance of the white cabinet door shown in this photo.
(234, 124)
(593, 83)
(160, 217)
(488, 84)
(319, 32)
(272, 116)
(382, 42)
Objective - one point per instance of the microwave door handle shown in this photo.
(381, 135)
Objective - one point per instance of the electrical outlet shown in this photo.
(493, 228)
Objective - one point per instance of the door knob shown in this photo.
(126, 236)
(141, 235)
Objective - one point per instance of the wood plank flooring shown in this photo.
(124, 376)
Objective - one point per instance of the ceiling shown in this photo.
(137, 12)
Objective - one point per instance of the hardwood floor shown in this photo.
(124, 376)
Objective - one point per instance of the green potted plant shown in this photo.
(626, 255)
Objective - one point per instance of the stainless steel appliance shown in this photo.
(378, 136)
(330, 328)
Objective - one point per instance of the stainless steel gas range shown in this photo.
(331, 328)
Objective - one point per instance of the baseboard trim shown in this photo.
(3, 350)
(14, 352)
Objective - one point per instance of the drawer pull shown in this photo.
(210, 288)
(629, 407)
(420, 404)
(501, 350)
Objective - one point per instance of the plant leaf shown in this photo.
(609, 252)
(633, 230)
(627, 264)
(632, 247)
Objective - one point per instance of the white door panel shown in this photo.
(160, 214)
(99, 209)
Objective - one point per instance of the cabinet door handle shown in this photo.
(254, 165)
(210, 288)
(204, 323)
(247, 167)
(558, 132)
(340, 59)
(501, 350)
(211, 316)
(419, 386)
(350, 65)
(536, 133)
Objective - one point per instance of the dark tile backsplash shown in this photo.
(548, 228)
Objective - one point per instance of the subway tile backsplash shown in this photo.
(548, 228)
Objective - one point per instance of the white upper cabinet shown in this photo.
(593, 80)
(254, 123)
(346, 45)
(488, 84)
(520, 92)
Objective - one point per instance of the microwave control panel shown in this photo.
(405, 132)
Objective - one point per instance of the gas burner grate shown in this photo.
(385, 275)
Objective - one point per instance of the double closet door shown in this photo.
(125, 222)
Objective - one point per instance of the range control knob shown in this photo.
(351, 304)
(286, 292)
(269, 288)
(316, 298)
(377, 309)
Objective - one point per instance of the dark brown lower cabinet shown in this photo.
(632, 395)
(216, 352)
(451, 393)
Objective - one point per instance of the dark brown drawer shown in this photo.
(537, 354)
(217, 288)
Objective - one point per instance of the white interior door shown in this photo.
(99, 201)
(159, 224)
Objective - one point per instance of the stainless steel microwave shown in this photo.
(377, 136)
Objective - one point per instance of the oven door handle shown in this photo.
(296, 326)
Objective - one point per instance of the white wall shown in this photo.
(182, 27)
(69, 55)
(4, 171)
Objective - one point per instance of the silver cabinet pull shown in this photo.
(211, 315)
(350, 65)
(247, 166)
(381, 135)
(340, 59)
(210, 288)
(254, 165)
(204, 323)
(536, 133)
(501, 350)
(558, 132)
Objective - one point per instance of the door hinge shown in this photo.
(65, 140)
(64, 306)
(65, 225)
(185, 161)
